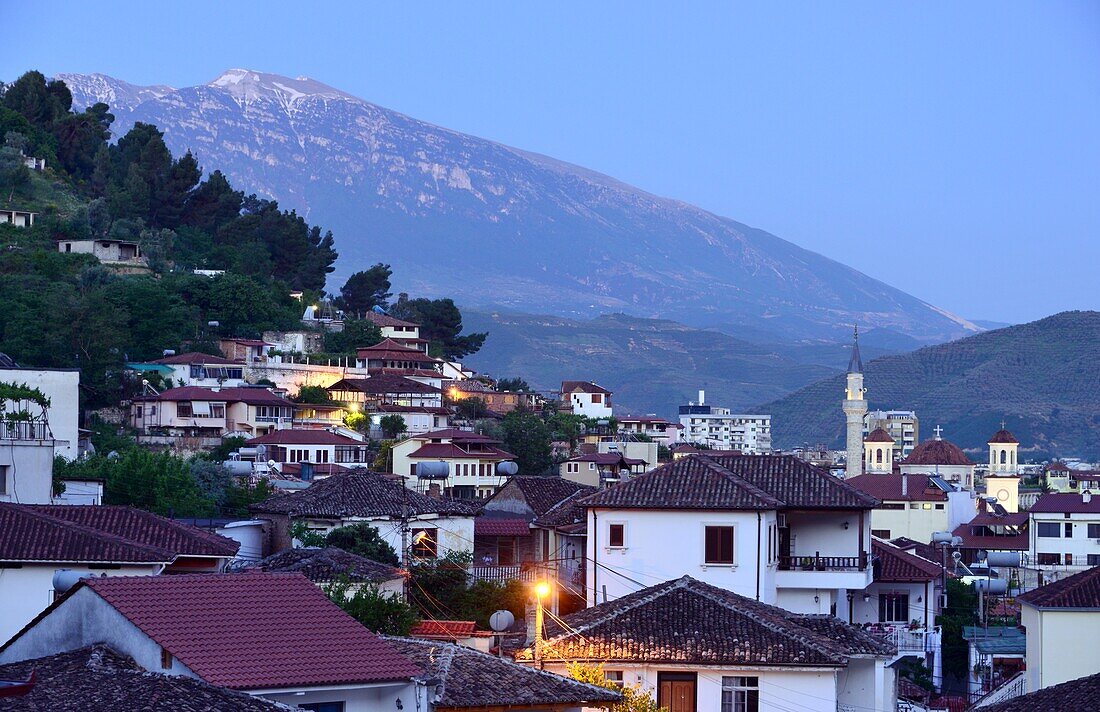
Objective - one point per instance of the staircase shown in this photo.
(1012, 687)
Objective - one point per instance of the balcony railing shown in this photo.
(818, 562)
(25, 430)
(909, 641)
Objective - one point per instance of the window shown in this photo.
(4, 479)
(914, 505)
(927, 505)
(1069, 530)
(165, 659)
(893, 608)
(881, 533)
(1048, 559)
(323, 706)
(597, 398)
(1049, 530)
(183, 410)
(718, 545)
(939, 506)
(615, 677)
(424, 543)
(616, 535)
(740, 694)
(1069, 559)
(1094, 531)
(1094, 560)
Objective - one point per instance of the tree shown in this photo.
(364, 540)
(156, 482)
(440, 323)
(635, 697)
(471, 408)
(313, 394)
(365, 290)
(961, 611)
(213, 204)
(527, 437)
(513, 385)
(392, 425)
(356, 334)
(385, 614)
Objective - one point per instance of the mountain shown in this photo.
(498, 227)
(1042, 378)
(650, 365)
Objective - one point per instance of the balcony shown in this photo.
(909, 641)
(25, 430)
(816, 571)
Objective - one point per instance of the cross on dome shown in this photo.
(939, 431)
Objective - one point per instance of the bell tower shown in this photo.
(1003, 480)
(855, 408)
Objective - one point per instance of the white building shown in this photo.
(108, 251)
(1064, 532)
(214, 412)
(659, 430)
(587, 399)
(298, 447)
(720, 429)
(914, 506)
(471, 462)
(772, 528)
(1058, 617)
(695, 646)
(196, 369)
(18, 218)
(232, 630)
(62, 388)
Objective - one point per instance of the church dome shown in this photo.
(1002, 436)
(937, 452)
(878, 435)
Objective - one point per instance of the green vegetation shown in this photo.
(364, 540)
(313, 394)
(365, 290)
(961, 611)
(392, 426)
(635, 697)
(382, 613)
(440, 323)
(527, 436)
(440, 588)
(513, 385)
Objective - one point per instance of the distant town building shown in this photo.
(587, 399)
(18, 218)
(902, 425)
(661, 431)
(721, 429)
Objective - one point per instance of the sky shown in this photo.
(949, 149)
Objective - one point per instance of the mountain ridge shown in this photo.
(500, 227)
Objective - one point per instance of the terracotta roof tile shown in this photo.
(98, 679)
(878, 435)
(328, 564)
(937, 452)
(896, 565)
(1063, 502)
(251, 395)
(733, 482)
(253, 630)
(918, 488)
(450, 450)
(472, 679)
(1002, 436)
(386, 320)
(383, 383)
(302, 436)
(1078, 591)
(582, 387)
(445, 629)
(1080, 695)
(544, 493)
(490, 526)
(358, 493)
(199, 358)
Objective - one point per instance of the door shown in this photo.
(676, 691)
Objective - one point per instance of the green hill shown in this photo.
(1042, 378)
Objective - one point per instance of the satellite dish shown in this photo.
(501, 621)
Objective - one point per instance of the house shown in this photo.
(95, 678)
(192, 410)
(316, 447)
(275, 636)
(770, 527)
(37, 542)
(62, 387)
(459, 633)
(601, 469)
(405, 333)
(196, 369)
(721, 429)
(499, 402)
(1060, 478)
(471, 462)
(993, 529)
(913, 506)
(459, 676)
(389, 356)
(414, 524)
(1057, 618)
(661, 431)
(1080, 694)
(419, 404)
(995, 656)
(587, 399)
(35, 164)
(245, 350)
(561, 536)
(18, 218)
(940, 458)
(329, 565)
(695, 646)
(1064, 532)
(111, 252)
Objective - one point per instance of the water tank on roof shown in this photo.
(238, 468)
(1010, 559)
(377, 309)
(995, 586)
(433, 470)
(64, 579)
(507, 468)
(168, 352)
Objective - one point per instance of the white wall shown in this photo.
(365, 698)
(1056, 648)
(62, 387)
(455, 533)
(1080, 545)
(81, 492)
(867, 684)
(917, 524)
(27, 469)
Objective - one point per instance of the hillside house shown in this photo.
(391, 357)
(249, 351)
(235, 631)
(191, 410)
(993, 529)
(694, 646)
(472, 462)
(419, 404)
(601, 469)
(498, 402)
(314, 447)
(587, 399)
(18, 218)
(1064, 533)
(661, 431)
(404, 333)
(1057, 618)
(39, 541)
(196, 369)
(770, 527)
(111, 252)
(435, 527)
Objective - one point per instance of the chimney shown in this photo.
(1086, 496)
(702, 397)
(904, 485)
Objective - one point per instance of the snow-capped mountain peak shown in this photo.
(247, 86)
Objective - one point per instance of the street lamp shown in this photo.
(542, 590)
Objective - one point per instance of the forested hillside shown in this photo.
(1042, 378)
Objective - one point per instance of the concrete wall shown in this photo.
(867, 684)
(1056, 647)
(917, 524)
(26, 467)
(1080, 546)
(62, 387)
(369, 698)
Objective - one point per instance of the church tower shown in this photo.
(855, 408)
(1003, 480)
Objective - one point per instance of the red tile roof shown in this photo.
(298, 436)
(252, 396)
(608, 458)
(1078, 591)
(328, 564)
(452, 451)
(443, 629)
(357, 494)
(196, 357)
(989, 542)
(382, 384)
(1057, 467)
(918, 488)
(878, 435)
(1066, 503)
(386, 320)
(1002, 436)
(486, 526)
(582, 387)
(252, 631)
(101, 533)
(1080, 695)
(392, 350)
(896, 565)
(937, 452)
(990, 519)
(455, 434)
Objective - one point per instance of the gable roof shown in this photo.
(357, 494)
(455, 434)
(686, 621)
(451, 451)
(390, 349)
(582, 387)
(496, 526)
(327, 564)
(303, 436)
(469, 678)
(251, 631)
(1081, 590)
(543, 493)
(750, 482)
(1080, 695)
(1066, 502)
(101, 533)
(608, 458)
(383, 383)
(98, 679)
(895, 565)
(917, 488)
(937, 452)
(569, 516)
(386, 320)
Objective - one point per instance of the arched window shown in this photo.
(1004, 456)
(878, 455)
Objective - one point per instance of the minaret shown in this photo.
(855, 408)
